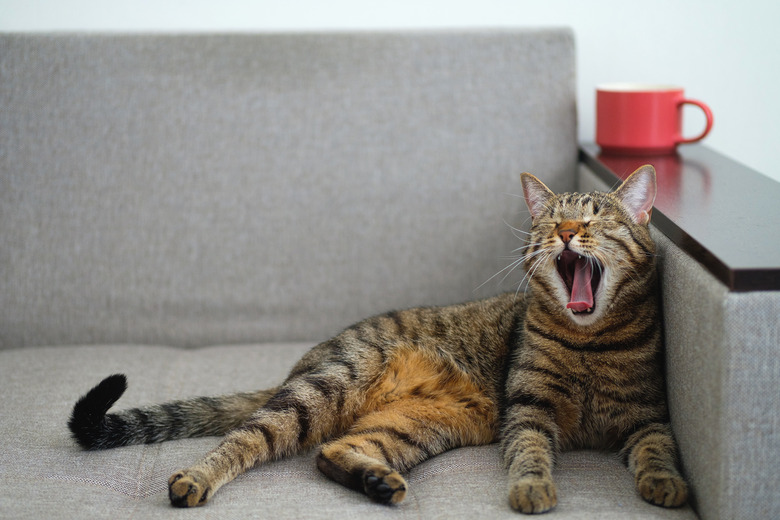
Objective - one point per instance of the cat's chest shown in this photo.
(607, 401)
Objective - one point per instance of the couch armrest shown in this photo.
(721, 297)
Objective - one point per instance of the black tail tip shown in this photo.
(88, 417)
(115, 384)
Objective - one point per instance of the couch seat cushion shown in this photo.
(43, 472)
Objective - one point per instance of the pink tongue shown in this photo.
(581, 292)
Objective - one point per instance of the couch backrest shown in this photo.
(202, 189)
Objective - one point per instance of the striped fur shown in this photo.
(397, 389)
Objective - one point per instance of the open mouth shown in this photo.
(581, 276)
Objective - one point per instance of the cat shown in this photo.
(574, 362)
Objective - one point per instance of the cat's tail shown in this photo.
(95, 429)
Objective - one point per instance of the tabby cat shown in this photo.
(575, 362)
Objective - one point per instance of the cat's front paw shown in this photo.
(188, 489)
(533, 495)
(663, 490)
(384, 486)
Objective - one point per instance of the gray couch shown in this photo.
(198, 210)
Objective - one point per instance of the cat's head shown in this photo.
(588, 252)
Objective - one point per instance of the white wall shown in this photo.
(723, 52)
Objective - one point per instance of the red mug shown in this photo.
(639, 119)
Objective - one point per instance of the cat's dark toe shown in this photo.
(387, 489)
(184, 490)
(177, 501)
(384, 492)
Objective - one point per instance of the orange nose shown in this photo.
(566, 235)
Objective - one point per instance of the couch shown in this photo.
(197, 210)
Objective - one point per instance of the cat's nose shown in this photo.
(566, 235)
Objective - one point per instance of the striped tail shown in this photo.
(94, 428)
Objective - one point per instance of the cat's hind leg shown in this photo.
(317, 402)
(361, 462)
(266, 436)
(418, 410)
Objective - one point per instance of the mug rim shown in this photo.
(637, 87)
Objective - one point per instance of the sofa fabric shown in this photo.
(199, 189)
(723, 364)
(45, 475)
(198, 210)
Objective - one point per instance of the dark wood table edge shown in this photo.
(736, 280)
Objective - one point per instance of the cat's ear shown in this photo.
(536, 194)
(637, 193)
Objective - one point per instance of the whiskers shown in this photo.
(544, 255)
(517, 232)
(534, 252)
(517, 262)
(595, 263)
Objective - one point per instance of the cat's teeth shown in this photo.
(559, 258)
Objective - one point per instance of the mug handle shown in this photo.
(707, 114)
